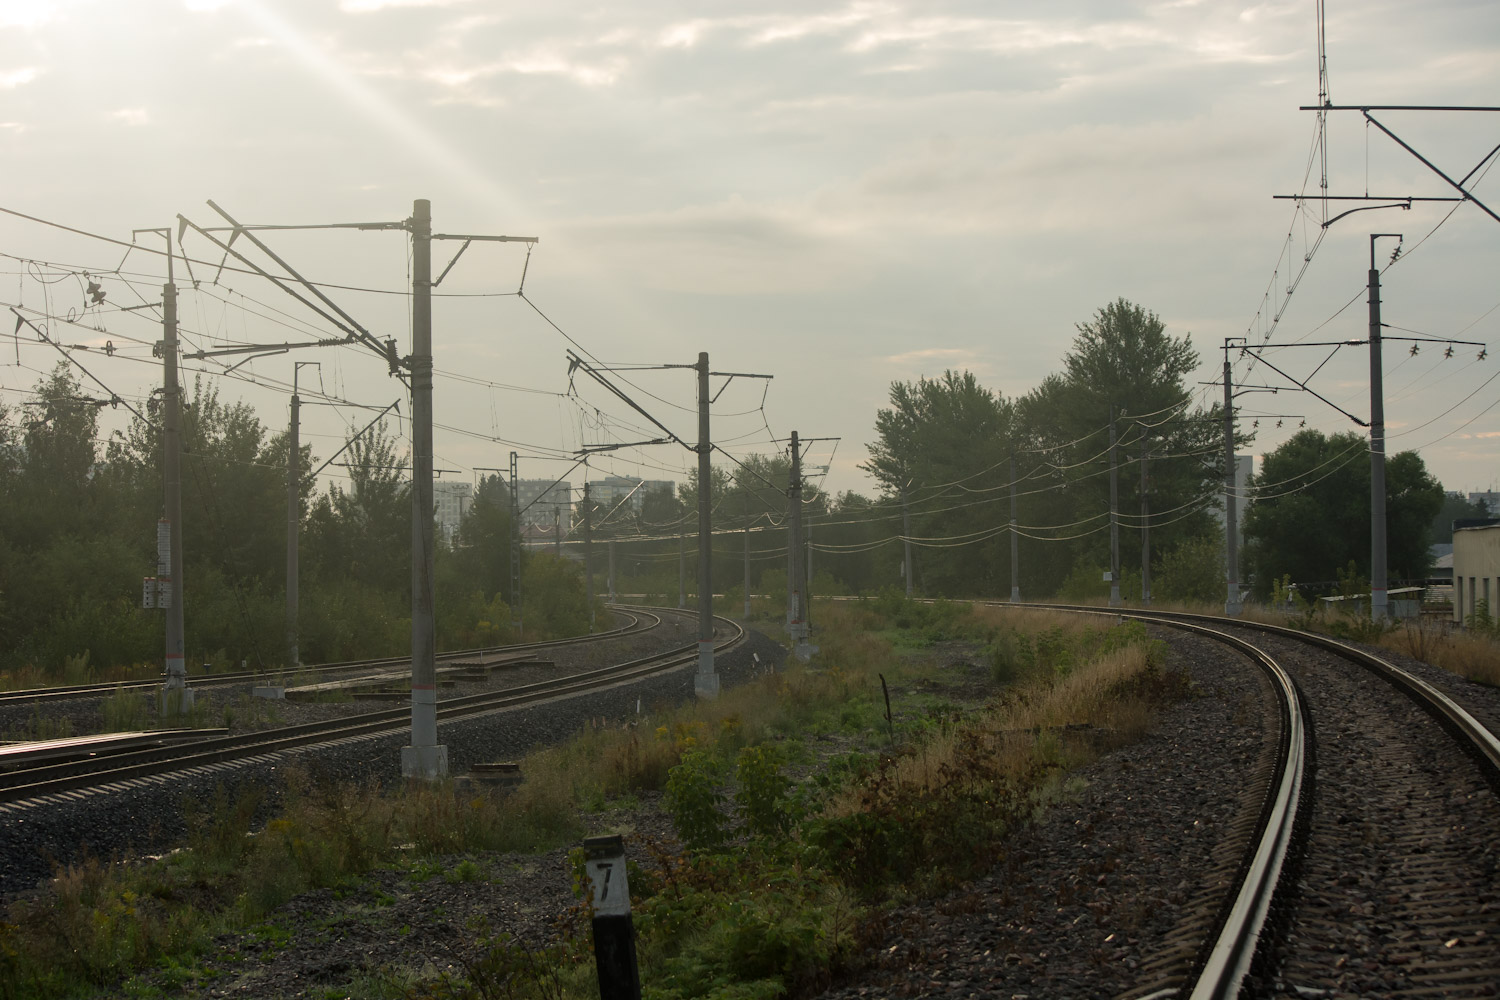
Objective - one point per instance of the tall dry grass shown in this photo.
(1476, 657)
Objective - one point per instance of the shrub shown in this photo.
(695, 799)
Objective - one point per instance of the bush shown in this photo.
(1193, 572)
(695, 799)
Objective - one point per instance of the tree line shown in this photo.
(77, 516)
(949, 452)
(77, 535)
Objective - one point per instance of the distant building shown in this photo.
(450, 501)
(1244, 466)
(544, 502)
(1490, 499)
(613, 491)
(1476, 567)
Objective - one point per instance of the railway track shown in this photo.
(47, 783)
(638, 620)
(1370, 871)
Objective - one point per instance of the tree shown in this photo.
(1124, 364)
(943, 451)
(1454, 508)
(1312, 517)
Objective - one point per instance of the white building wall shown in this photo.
(1476, 569)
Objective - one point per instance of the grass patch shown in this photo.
(1475, 656)
(802, 812)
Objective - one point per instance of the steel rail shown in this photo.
(1234, 949)
(1224, 964)
(1448, 712)
(44, 781)
(68, 692)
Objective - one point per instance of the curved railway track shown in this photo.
(639, 620)
(1384, 882)
(55, 783)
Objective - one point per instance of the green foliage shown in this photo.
(125, 712)
(555, 603)
(1455, 508)
(695, 799)
(1481, 622)
(1317, 518)
(1086, 583)
(924, 622)
(1193, 572)
(1017, 656)
(761, 799)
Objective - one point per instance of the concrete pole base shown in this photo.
(804, 650)
(426, 763)
(706, 681)
(1232, 609)
(1015, 595)
(177, 700)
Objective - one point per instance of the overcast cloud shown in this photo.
(838, 194)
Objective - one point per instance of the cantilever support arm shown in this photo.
(1433, 167)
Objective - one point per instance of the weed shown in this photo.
(695, 799)
(465, 871)
(125, 711)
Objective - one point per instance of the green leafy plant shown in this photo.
(761, 798)
(695, 798)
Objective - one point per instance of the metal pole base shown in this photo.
(177, 699)
(427, 763)
(706, 681)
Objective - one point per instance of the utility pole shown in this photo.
(1015, 539)
(1114, 515)
(557, 530)
(794, 587)
(706, 683)
(682, 566)
(1378, 582)
(612, 595)
(1231, 521)
(176, 696)
(293, 517)
(515, 548)
(425, 758)
(588, 552)
(1145, 524)
(746, 497)
(906, 538)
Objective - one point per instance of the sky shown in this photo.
(836, 194)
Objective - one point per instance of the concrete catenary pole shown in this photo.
(612, 595)
(682, 565)
(807, 576)
(515, 545)
(176, 695)
(293, 519)
(747, 556)
(557, 531)
(1378, 582)
(795, 589)
(425, 758)
(1145, 523)
(588, 550)
(1015, 539)
(1231, 522)
(1114, 515)
(706, 683)
(906, 539)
